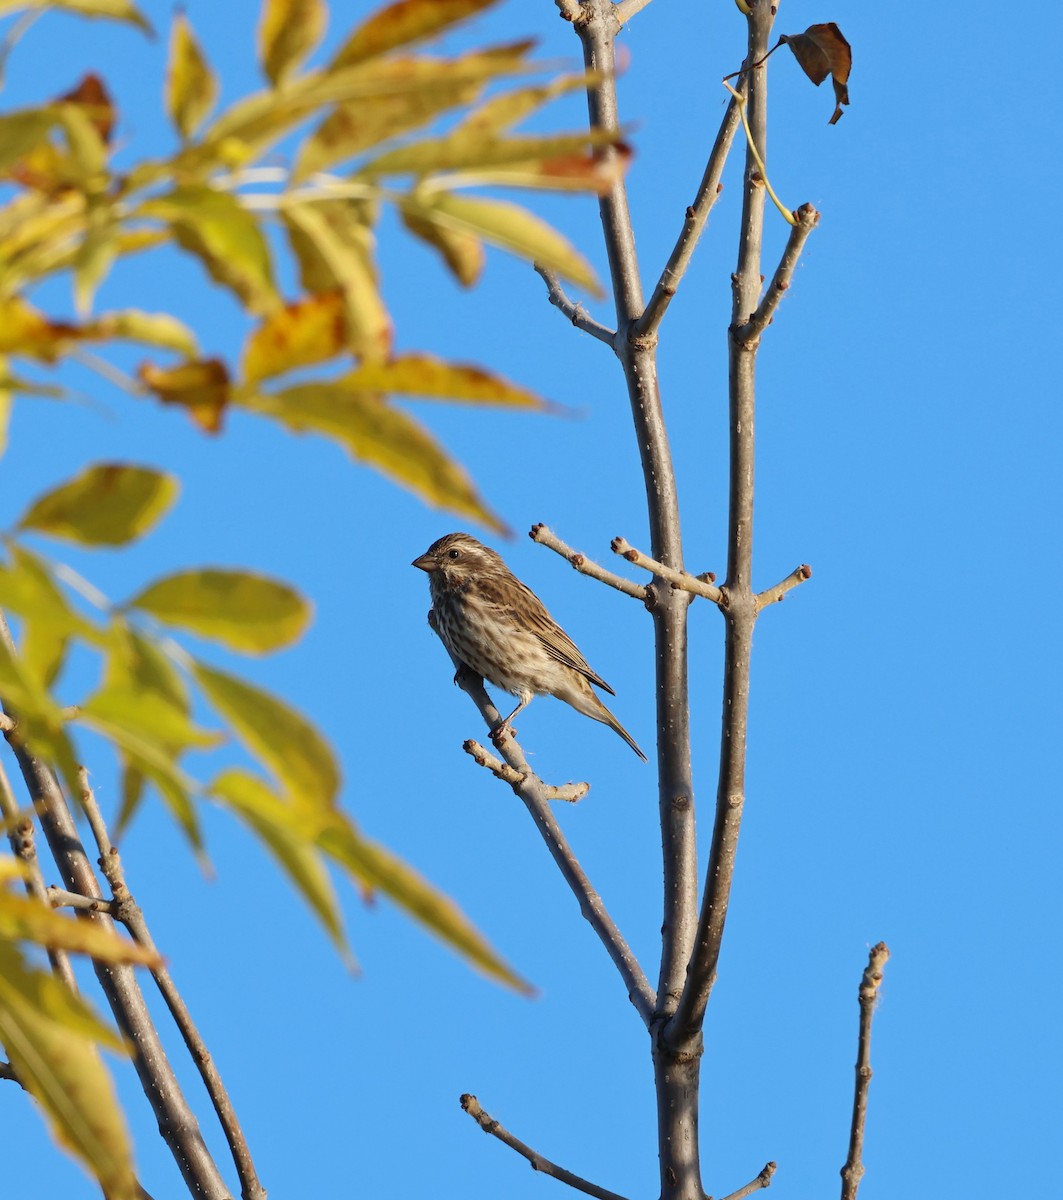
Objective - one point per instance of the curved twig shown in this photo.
(579, 562)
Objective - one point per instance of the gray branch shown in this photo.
(576, 313)
(586, 566)
(853, 1171)
(763, 1180)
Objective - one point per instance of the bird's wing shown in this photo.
(556, 641)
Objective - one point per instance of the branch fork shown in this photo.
(567, 791)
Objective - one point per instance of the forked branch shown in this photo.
(585, 566)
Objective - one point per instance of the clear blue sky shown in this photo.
(904, 775)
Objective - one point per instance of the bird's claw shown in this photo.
(502, 733)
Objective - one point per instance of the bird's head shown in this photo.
(457, 556)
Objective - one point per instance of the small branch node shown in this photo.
(680, 580)
(777, 593)
(585, 566)
(763, 1180)
(575, 312)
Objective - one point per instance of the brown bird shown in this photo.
(500, 629)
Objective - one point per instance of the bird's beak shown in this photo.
(425, 563)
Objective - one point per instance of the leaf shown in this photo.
(288, 32)
(381, 870)
(31, 920)
(510, 108)
(821, 51)
(508, 226)
(403, 24)
(191, 85)
(151, 329)
(93, 261)
(108, 504)
(214, 227)
(114, 10)
(21, 132)
(92, 97)
(384, 437)
(289, 837)
(49, 1035)
(26, 331)
(462, 253)
(426, 376)
(202, 387)
(308, 331)
(282, 739)
(237, 608)
(334, 250)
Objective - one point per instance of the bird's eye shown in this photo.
(453, 554)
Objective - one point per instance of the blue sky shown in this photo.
(903, 776)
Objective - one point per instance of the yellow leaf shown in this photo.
(108, 504)
(114, 10)
(384, 437)
(201, 386)
(404, 23)
(151, 329)
(288, 32)
(334, 250)
(380, 870)
(25, 919)
(25, 330)
(462, 253)
(307, 331)
(289, 835)
(40, 723)
(282, 739)
(191, 86)
(49, 1035)
(510, 108)
(241, 610)
(508, 226)
(21, 132)
(476, 154)
(224, 236)
(423, 375)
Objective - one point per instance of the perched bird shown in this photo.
(501, 630)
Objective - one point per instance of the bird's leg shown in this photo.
(504, 729)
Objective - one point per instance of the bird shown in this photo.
(498, 628)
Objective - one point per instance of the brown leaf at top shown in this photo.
(91, 94)
(821, 51)
(202, 387)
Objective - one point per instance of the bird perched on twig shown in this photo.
(498, 628)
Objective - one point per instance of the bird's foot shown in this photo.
(502, 733)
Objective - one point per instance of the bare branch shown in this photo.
(763, 1180)
(58, 898)
(807, 219)
(569, 10)
(627, 9)
(576, 313)
(568, 791)
(696, 217)
(680, 580)
(585, 566)
(535, 1160)
(853, 1171)
(22, 837)
(126, 910)
(536, 797)
(773, 595)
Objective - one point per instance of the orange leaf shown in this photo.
(25, 330)
(92, 95)
(307, 331)
(821, 51)
(202, 387)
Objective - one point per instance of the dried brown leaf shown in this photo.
(821, 51)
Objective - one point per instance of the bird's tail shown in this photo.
(590, 705)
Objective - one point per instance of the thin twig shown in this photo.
(576, 313)
(693, 225)
(570, 792)
(59, 898)
(22, 836)
(773, 595)
(536, 797)
(680, 580)
(627, 9)
(585, 566)
(763, 1180)
(853, 1171)
(535, 1160)
(128, 912)
(807, 219)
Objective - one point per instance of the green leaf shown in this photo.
(288, 32)
(214, 227)
(49, 1035)
(403, 24)
(282, 739)
(108, 504)
(290, 839)
(508, 226)
(386, 438)
(21, 132)
(191, 85)
(241, 610)
(381, 870)
(41, 725)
